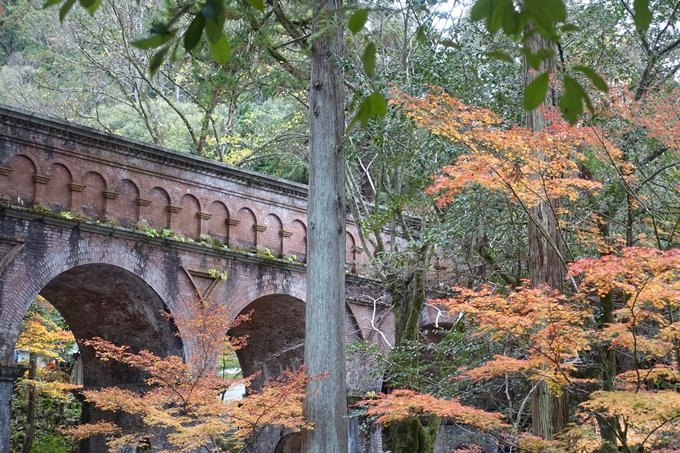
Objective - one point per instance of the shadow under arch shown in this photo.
(275, 337)
(290, 443)
(107, 301)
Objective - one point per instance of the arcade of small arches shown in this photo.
(129, 202)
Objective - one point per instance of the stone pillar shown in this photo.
(9, 373)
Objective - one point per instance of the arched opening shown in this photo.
(290, 443)
(102, 300)
(107, 301)
(276, 337)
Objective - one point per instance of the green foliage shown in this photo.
(536, 91)
(357, 20)
(51, 415)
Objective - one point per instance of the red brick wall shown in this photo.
(124, 208)
(271, 238)
(92, 201)
(16, 181)
(57, 189)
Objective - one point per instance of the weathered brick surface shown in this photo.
(110, 280)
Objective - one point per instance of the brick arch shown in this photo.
(17, 179)
(24, 152)
(244, 233)
(433, 317)
(156, 214)
(290, 443)
(276, 334)
(272, 237)
(103, 300)
(296, 243)
(218, 224)
(13, 305)
(58, 187)
(188, 222)
(124, 208)
(92, 197)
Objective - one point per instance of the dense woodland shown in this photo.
(551, 246)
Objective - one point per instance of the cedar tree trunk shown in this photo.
(326, 401)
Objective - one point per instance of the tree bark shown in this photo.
(607, 358)
(30, 411)
(550, 413)
(326, 401)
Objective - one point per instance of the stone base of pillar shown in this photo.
(9, 373)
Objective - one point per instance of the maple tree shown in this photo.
(184, 398)
(555, 339)
(46, 343)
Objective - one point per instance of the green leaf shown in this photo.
(546, 12)
(481, 10)
(213, 31)
(512, 23)
(571, 103)
(369, 59)
(193, 34)
(257, 4)
(49, 3)
(594, 77)
(221, 50)
(449, 43)
(152, 40)
(378, 104)
(157, 60)
(65, 8)
(534, 60)
(495, 21)
(498, 55)
(373, 105)
(159, 28)
(420, 34)
(535, 93)
(357, 20)
(212, 10)
(569, 27)
(643, 16)
(93, 7)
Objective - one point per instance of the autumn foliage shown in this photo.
(43, 338)
(184, 398)
(558, 339)
(528, 167)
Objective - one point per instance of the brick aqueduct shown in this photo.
(82, 222)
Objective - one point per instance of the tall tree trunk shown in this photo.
(326, 401)
(30, 412)
(550, 413)
(607, 361)
(408, 297)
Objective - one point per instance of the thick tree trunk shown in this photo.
(326, 402)
(607, 358)
(550, 413)
(30, 412)
(408, 297)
